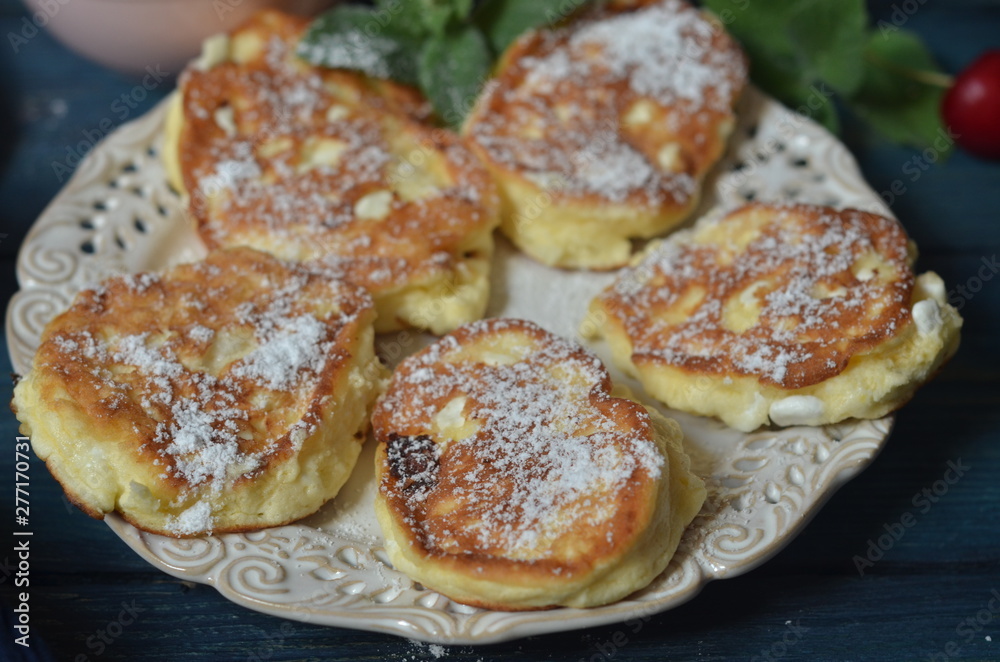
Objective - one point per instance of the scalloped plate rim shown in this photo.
(514, 631)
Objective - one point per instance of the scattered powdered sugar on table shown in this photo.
(418, 650)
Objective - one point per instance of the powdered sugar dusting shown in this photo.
(196, 400)
(561, 111)
(619, 169)
(304, 148)
(200, 333)
(198, 418)
(541, 455)
(811, 311)
(283, 354)
(195, 519)
(665, 52)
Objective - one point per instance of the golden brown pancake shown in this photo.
(796, 314)
(225, 395)
(317, 164)
(511, 478)
(602, 130)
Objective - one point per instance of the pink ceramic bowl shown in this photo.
(136, 36)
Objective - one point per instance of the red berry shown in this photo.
(971, 108)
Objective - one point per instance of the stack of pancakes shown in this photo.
(235, 393)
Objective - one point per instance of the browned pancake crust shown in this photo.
(817, 310)
(255, 188)
(472, 507)
(86, 356)
(559, 108)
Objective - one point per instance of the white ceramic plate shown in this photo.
(117, 214)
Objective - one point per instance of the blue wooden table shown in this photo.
(934, 593)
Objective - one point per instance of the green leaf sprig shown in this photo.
(806, 53)
(444, 47)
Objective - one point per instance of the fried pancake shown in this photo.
(309, 163)
(225, 395)
(602, 130)
(798, 314)
(510, 477)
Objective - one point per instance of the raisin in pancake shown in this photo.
(225, 395)
(602, 130)
(795, 314)
(310, 163)
(510, 478)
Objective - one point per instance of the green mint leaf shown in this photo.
(362, 39)
(829, 41)
(902, 108)
(503, 21)
(796, 55)
(422, 17)
(453, 68)
(801, 51)
(462, 8)
(406, 16)
(440, 14)
(760, 25)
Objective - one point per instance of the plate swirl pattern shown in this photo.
(117, 214)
